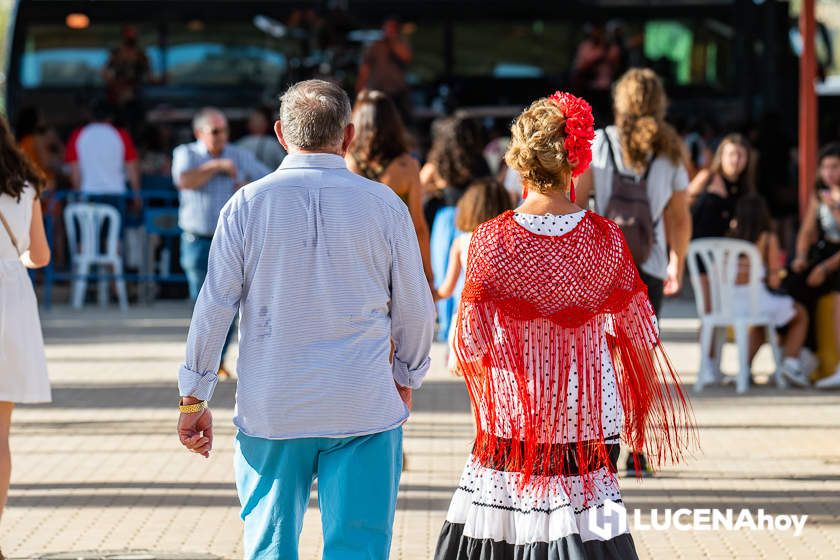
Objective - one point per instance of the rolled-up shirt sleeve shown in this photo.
(412, 307)
(216, 306)
(181, 162)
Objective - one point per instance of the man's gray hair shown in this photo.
(200, 119)
(314, 114)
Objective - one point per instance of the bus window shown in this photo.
(426, 39)
(689, 53)
(522, 49)
(55, 56)
(226, 55)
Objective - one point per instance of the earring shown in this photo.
(572, 195)
(524, 193)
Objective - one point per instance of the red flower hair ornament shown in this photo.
(579, 130)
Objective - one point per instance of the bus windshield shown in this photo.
(195, 53)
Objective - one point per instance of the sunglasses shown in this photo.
(217, 131)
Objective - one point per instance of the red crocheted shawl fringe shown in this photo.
(516, 347)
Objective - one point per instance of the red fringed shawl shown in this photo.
(535, 309)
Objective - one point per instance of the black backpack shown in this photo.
(629, 208)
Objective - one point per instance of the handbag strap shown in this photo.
(8, 229)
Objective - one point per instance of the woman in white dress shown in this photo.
(23, 244)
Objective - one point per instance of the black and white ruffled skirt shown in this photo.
(491, 518)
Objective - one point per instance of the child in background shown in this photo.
(754, 224)
(484, 200)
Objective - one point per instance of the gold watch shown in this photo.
(192, 408)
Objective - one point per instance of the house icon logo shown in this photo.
(608, 521)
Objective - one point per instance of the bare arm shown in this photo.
(808, 231)
(75, 176)
(774, 279)
(196, 178)
(453, 271)
(133, 171)
(415, 208)
(677, 221)
(698, 185)
(430, 178)
(401, 50)
(38, 254)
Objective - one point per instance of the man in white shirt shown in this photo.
(101, 157)
(324, 269)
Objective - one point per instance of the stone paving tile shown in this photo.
(101, 467)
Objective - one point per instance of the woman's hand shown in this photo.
(799, 264)
(673, 282)
(818, 276)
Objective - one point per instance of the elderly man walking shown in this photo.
(207, 172)
(325, 271)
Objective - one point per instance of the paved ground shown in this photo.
(101, 469)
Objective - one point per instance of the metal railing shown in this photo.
(157, 220)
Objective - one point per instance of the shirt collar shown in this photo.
(328, 161)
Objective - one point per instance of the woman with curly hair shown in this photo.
(642, 145)
(23, 244)
(559, 348)
(380, 152)
(454, 161)
(642, 148)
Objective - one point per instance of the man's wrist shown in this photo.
(190, 400)
(192, 408)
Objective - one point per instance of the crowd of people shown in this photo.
(328, 398)
(497, 232)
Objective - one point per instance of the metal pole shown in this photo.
(807, 105)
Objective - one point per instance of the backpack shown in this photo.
(629, 208)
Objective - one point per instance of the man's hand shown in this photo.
(196, 431)
(227, 167)
(405, 394)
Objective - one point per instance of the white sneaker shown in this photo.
(808, 362)
(830, 382)
(792, 372)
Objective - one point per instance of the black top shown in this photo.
(712, 214)
(447, 196)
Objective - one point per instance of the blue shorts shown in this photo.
(358, 478)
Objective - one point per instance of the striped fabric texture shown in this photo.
(325, 270)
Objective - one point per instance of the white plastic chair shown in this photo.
(720, 257)
(87, 225)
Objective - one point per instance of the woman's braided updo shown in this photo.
(536, 149)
